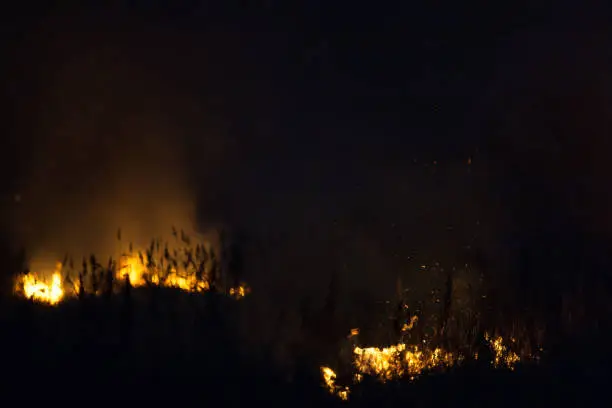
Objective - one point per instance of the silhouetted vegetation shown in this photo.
(114, 341)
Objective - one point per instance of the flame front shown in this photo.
(49, 287)
(383, 363)
(398, 361)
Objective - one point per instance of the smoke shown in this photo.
(131, 130)
(104, 148)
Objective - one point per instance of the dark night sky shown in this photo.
(315, 128)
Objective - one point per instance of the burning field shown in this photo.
(410, 361)
(189, 268)
(196, 267)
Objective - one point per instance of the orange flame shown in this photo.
(35, 288)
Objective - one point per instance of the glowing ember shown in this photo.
(408, 326)
(240, 291)
(502, 356)
(38, 289)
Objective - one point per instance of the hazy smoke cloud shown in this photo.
(105, 149)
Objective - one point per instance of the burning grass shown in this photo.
(410, 361)
(49, 291)
(197, 268)
(189, 268)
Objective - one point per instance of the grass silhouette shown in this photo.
(115, 339)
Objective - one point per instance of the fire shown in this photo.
(329, 379)
(418, 361)
(135, 270)
(383, 363)
(138, 274)
(240, 291)
(502, 356)
(409, 325)
(400, 360)
(51, 290)
(36, 288)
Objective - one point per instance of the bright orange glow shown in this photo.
(138, 273)
(240, 291)
(329, 379)
(404, 361)
(49, 287)
(37, 288)
(502, 355)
